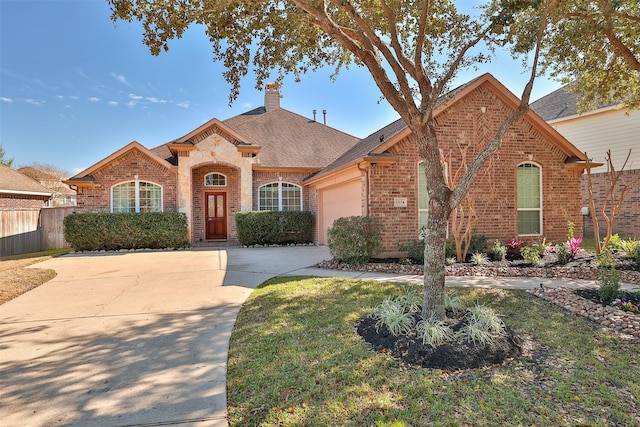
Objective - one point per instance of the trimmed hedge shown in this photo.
(355, 239)
(273, 227)
(113, 231)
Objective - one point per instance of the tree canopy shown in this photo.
(412, 49)
(4, 160)
(593, 44)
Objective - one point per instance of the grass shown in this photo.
(15, 279)
(296, 359)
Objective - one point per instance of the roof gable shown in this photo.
(134, 145)
(380, 141)
(13, 182)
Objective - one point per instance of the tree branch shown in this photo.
(522, 109)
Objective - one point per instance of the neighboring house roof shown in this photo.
(378, 142)
(13, 182)
(559, 104)
(48, 180)
(85, 177)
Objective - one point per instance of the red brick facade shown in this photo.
(627, 223)
(17, 201)
(495, 192)
(97, 198)
(231, 191)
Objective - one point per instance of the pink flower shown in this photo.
(574, 245)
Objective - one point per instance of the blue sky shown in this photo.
(75, 87)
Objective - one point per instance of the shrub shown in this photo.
(609, 283)
(114, 231)
(478, 243)
(574, 245)
(541, 247)
(414, 248)
(513, 249)
(274, 227)
(391, 314)
(499, 251)
(451, 260)
(483, 325)
(479, 258)
(453, 303)
(434, 333)
(411, 299)
(531, 255)
(450, 249)
(355, 239)
(605, 259)
(613, 244)
(631, 248)
(562, 252)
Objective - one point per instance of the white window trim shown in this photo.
(539, 209)
(137, 192)
(215, 186)
(280, 193)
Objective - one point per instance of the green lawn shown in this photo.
(296, 359)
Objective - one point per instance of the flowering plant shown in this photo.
(515, 244)
(513, 248)
(574, 245)
(625, 305)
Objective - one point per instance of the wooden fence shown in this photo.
(32, 230)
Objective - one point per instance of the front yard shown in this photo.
(15, 279)
(296, 359)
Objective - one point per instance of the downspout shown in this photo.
(366, 188)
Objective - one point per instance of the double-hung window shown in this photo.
(529, 179)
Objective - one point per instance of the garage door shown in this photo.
(341, 200)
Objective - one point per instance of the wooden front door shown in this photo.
(216, 216)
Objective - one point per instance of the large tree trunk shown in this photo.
(434, 261)
(439, 211)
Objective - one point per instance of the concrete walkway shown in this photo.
(131, 338)
(142, 338)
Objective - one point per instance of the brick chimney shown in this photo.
(272, 97)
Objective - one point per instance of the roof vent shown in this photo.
(272, 97)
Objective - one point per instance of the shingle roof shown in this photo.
(289, 139)
(368, 144)
(558, 104)
(12, 181)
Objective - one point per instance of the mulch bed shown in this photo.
(455, 355)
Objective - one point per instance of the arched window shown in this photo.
(215, 180)
(136, 196)
(529, 179)
(280, 196)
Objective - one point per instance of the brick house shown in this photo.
(608, 127)
(270, 158)
(18, 191)
(530, 190)
(254, 161)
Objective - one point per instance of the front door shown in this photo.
(216, 216)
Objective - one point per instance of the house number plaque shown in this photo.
(399, 202)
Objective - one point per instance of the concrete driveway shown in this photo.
(131, 338)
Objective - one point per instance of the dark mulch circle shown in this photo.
(456, 355)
